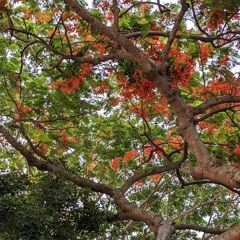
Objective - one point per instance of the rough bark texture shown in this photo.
(231, 234)
(165, 231)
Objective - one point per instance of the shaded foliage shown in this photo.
(47, 207)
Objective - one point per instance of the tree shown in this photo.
(137, 103)
(48, 208)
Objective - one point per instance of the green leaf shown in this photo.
(145, 30)
(2, 48)
(176, 7)
(143, 21)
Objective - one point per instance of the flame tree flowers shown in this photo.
(135, 103)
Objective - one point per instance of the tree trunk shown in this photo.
(165, 231)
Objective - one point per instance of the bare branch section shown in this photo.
(231, 234)
(224, 109)
(131, 211)
(199, 228)
(218, 171)
(178, 36)
(146, 173)
(165, 231)
(216, 101)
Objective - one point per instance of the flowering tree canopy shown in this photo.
(130, 106)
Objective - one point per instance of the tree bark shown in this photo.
(232, 234)
(165, 231)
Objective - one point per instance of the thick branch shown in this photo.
(224, 109)
(207, 167)
(199, 228)
(131, 211)
(120, 54)
(232, 234)
(113, 35)
(165, 231)
(146, 173)
(215, 101)
(218, 171)
(178, 36)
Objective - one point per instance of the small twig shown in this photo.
(232, 120)
(67, 38)
(196, 21)
(147, 2)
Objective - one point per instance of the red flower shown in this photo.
(237, 150)
(115, 163)
(155, 178)
(130, 155)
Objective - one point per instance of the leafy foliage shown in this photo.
(46, 208)
(135, 103)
